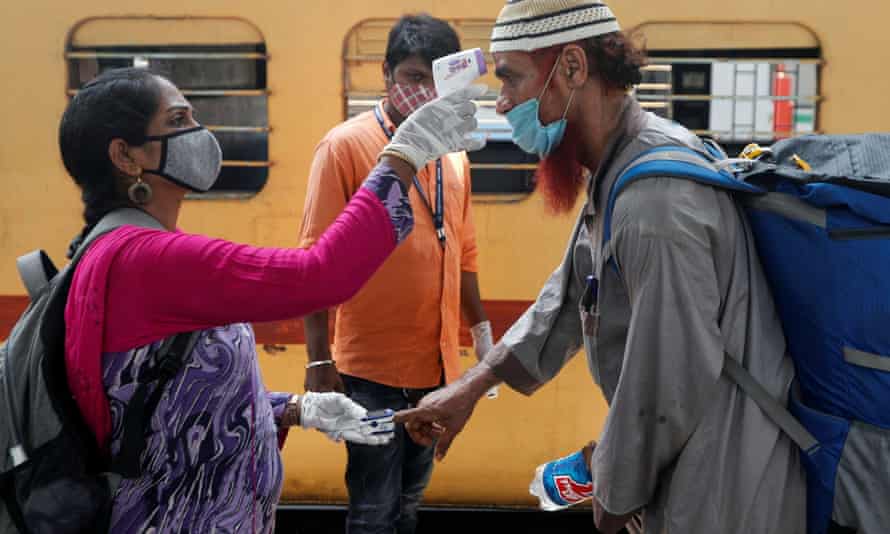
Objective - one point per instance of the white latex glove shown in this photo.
(483, 341)
(339, 417)
(439, 127)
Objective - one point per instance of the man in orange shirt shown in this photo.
(397, 339)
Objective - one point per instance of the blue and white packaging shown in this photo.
(379, 422)
(562, 483)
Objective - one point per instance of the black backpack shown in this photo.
(53, 477)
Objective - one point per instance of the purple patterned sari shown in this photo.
(211, 462)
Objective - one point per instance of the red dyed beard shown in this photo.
(560, 175)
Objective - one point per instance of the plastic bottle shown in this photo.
(562, 483)
(458, 70)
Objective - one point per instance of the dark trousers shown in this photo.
(386, 482)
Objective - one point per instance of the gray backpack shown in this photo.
(53, 477)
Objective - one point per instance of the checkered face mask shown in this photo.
(407, 98)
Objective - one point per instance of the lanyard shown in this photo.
(439, 212)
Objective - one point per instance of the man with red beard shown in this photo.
(677, 289)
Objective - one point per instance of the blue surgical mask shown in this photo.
(528, 132)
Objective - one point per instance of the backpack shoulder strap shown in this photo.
(171, 358)
(36, 270)
(672, 162)
(770, 406)
(683, 162)
(114, 220)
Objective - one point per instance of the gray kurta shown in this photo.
(681, 441)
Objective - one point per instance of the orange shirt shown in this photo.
(401, 329)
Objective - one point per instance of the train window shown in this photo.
(736, 82)
(220, 65)
(501, 172)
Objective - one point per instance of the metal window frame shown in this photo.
(669, 61)
(649, 102)
(70, 55)
(662, 101)
(357, 98)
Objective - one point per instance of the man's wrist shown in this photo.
(481, 378)
(587, 452)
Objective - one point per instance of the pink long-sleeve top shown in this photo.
(135, 285)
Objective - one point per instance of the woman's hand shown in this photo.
(439, 127)
(340, 418)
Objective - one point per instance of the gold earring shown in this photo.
(140, 192)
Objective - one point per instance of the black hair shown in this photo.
(119, 103)
(616, 58)
(422, 35)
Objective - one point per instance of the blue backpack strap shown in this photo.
(673, 162)
(683, 162)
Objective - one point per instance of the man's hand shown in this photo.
(587, 451)
(442, 414)
(322, 379)
(605, 522)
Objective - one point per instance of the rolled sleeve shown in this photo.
(549, 333)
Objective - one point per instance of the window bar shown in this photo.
(251, 129)
(756, 100)
(736, 60)
(166, 55)
(670, 95)
(735, 81)
(504, 166)
(213, 92)
(372, 101)
(656, 68)
(653, 87)
(794, 113)
(245, 163)
(740, 98)
(727, 132)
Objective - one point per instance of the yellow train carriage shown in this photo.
(270, 78)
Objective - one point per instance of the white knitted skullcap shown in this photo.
(527, 25)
